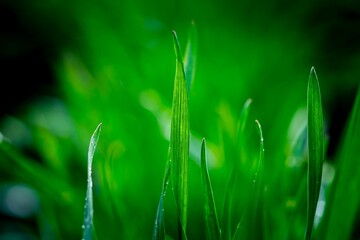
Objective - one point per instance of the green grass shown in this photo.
(179, 141)
(212, 226)
(154, 174)
(341, 214)
(315, 149)
(230, 188)
(88, 228)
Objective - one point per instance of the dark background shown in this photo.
(33, 35)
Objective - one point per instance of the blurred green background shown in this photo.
(68, 65)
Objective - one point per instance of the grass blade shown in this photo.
(211, 220)
(252, 216)
(258, 181)
(230, 188)
(179, 140)
(190, 56)
(258, 188)
(315, 148)
(159, 227)
(344, 201)
(243, 118)
(89, 211)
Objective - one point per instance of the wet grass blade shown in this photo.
(342, 208)
(179, 140)
(212, 226)
(190, 56)
(159, 227)
(315, 148)
(230, 188)
(89, 211)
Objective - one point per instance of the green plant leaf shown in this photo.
(190, 56)
(343, 203)
(159, 227)
(211, 220)
(230, 188)
(89, 211)
(315, 148)
(179, 140)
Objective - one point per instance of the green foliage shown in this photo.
(340, 215)
(155, 176)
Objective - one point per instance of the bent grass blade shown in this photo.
(252, 216)
(344, 201)
(230, 188)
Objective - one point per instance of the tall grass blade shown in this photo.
(190, 56)
(212, 226)
(230, 188)
(159, 227)
(252, 217)
(89, 211)
(179, 140)
(315, 148)
(344, 201)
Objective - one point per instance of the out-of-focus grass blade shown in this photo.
(179, 140)
(344, 201)
(252, 217)
(159, 227)
(227, 209)
(315, 148)
(242, 120)
(211, 220)
(89, 211)
(258, 176)
(240, 230)
(30, 171)
(257, 198)
(190, 56)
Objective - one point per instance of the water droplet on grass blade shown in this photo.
(88, 207)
